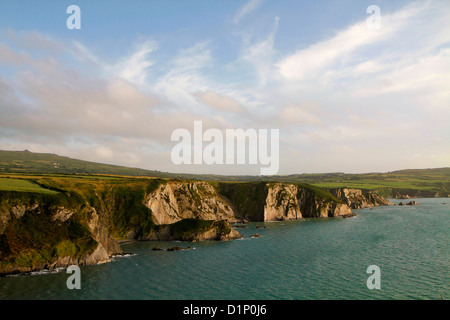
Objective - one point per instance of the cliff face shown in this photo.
(39, 232)
(357, 199)
(82, 226)
(47, 231)
(174, 201)
(281, 201)
(291, 202)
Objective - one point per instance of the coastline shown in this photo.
(168, 210)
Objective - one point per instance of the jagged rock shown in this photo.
(292, 202)
(357, 199)
(174, 201)
(239, 226)
(19, 210)
(218, 230)
(156, 249)
(98, 225)
(282, 203)
(176, 248)
(412, 203)
(99, 256)
(62, 214)
(401, 204)
(256, 236)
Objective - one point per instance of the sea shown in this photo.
(334, 258)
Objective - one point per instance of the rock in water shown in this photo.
(176, 248)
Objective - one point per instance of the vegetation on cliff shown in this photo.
(32, 238)
(248, 199)
(413, 182)
(52, 219)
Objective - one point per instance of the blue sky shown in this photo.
(344, 97)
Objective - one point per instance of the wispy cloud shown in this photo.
(246, 9)
(134, 68)
(219, 102)
(184, 75)
(261, 54)
(320, 56)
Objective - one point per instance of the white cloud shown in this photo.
(260, 55)
(247, 8)
(185, 76)
(219, 102)
(33, 40)
(298, 115)
(134, 68)
(308, 62)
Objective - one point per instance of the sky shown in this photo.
(344, 97)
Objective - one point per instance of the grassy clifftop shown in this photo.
(421, 182)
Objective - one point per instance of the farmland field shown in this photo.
(21, 185)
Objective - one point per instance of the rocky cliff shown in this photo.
(174, 201)
(39, 232)
(291, 202)
(83, 222)
(282, 201)
(82, 226)
(358, 199)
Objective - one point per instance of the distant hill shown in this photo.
(420, 182)
(31, 162)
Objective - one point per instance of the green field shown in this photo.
(20, 185)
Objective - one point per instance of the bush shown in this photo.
(66, 248)
(30, 259)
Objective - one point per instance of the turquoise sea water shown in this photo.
(308, 259)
